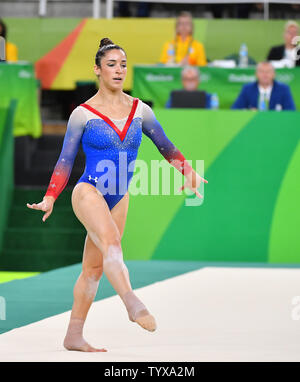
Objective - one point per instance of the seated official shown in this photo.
(266, 93)
(183, 49)
(11, 51)
(288, 50)
(190, 79)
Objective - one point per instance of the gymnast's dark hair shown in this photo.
(105, 45)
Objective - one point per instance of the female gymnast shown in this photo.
(108, 124)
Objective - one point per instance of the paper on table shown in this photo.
(223, 63)
(283, 63)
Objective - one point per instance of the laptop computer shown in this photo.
(188, 99)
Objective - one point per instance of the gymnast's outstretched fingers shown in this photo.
(46, 205)
(193, 181)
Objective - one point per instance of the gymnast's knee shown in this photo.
(92, 272)
(106, 240)
(113, 256)
(112, 247)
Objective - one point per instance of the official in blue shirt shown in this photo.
(266, 93)
(190, 78)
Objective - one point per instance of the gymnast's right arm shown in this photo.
(64, 165)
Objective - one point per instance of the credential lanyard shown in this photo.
(176, 47)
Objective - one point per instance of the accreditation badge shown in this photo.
(171, 50)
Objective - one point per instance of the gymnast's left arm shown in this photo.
(153, 129)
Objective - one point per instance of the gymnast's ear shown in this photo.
(97, 70)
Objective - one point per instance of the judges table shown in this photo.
(155, 82)
(17, 81)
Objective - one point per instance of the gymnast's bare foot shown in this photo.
(79, 344)
(74, 339)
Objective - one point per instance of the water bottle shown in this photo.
(243, 56)
(214, 102)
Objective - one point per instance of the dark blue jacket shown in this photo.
(280, 95)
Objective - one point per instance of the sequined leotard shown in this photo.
(110, 147)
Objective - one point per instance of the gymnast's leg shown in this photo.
(87, 284)
(102, 227)
(92, 210)
(84, 293)
(137, 311)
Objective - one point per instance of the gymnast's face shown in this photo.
(113, 69)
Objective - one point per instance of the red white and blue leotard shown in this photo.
(109, 145)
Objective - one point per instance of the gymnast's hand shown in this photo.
(46, 205)
(193, 181)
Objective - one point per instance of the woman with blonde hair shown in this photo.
(184, 49)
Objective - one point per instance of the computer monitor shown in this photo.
(188, 99)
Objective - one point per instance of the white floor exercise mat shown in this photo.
(212, 314)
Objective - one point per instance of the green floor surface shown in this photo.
(9, 276)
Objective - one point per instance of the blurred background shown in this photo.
(224, 81)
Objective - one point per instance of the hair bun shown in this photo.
(105, 41)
